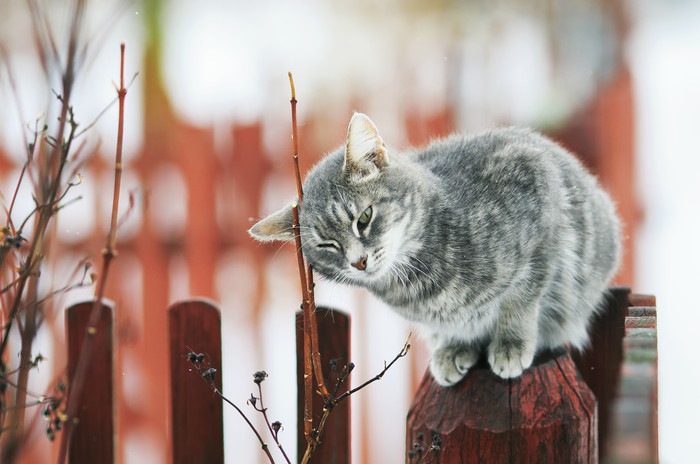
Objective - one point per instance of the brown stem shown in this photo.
(112, 243)
(27, 335)
(58, 156)
(308, 373)
(108, 254)
(333, 402)
(315, 353)
(402, 353)
(263, 410)
(295, 142)
(263, 445)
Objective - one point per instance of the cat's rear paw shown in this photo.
(449, 364)
(510, 359)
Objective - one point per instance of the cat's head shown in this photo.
(355, 211)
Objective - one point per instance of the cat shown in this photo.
(499, 244)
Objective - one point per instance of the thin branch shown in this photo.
(295, 142)
(402, 353)
(108, 254)
(263, 410)
(105, 109)
(308, 373)
(330, 405)
(250, 424)
(313, 329)
(29, 146)
(207, 373)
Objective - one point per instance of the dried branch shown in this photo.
(295, 140)
(315, 353)
(402, 353)
(264, 446)
(312, 356)
(208, 374)
(308, 374)
(50, 174)
(274, 428)
(108, 254)
(334, 401)
(311, 352)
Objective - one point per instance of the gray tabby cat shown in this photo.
(500, 243)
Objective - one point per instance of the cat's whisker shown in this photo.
(281, 246)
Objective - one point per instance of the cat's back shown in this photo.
(505, 156)
(453, 155)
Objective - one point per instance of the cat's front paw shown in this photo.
(449, 364)
(508, 359)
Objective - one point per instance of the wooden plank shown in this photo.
(546, 415)
(197, 413)
(639, 299)
(93, 436)
(600, 363)
(634, 434)
(333, 343)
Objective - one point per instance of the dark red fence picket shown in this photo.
(334, 344)
(550, 414)
(197, 414)
(93, 436)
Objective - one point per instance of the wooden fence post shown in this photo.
(93, 437)
(547, 415)
(600, 364)
(484, 417)
(333, 343)
(197, 413)
(634, 421)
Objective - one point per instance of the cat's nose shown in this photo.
(361, 263)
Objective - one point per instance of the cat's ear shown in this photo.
(276, 226)
(365, 152)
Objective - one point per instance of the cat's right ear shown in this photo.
(277, 226)
(365, 152)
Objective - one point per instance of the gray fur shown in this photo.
(499, 244)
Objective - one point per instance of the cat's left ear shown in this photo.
(276, 226)
(365, 152)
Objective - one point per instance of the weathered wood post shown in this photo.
(197, 413)
(93, 437)
(333, 343)
(547, 415)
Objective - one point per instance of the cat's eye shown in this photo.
(363, 220)
(330, 245)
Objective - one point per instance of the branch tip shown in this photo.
(291, 85)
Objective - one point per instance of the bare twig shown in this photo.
(334, 401)
(312, 357)
(402, 353)
(108, 254)
(308, 373)
(50, 172)
(295, 141)
(315, 353)
(208, 374)
(259, 378)
(264, 446)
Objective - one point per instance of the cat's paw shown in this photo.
(449, 364)
(509, 359)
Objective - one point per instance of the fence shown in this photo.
(524, 419)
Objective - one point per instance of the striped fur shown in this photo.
(499, 244)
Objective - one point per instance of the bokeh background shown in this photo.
(208, 146)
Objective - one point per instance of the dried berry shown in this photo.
(209, 374)
(259, 377)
